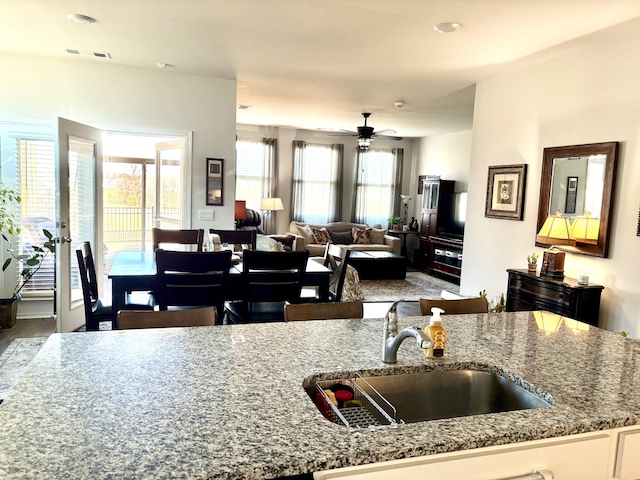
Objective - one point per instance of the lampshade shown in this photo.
(240, 212)
(405, 199)
(556, 231)
(586, 229)
(364, 143)
(271, 204)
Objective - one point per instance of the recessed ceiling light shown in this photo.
(244, 107)
(79, 18)
(447, 27)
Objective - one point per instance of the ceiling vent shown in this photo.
(72, 51)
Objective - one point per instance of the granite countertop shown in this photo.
(228, 402)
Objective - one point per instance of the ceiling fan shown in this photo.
(366, 134)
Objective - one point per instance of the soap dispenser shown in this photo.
(438, 334)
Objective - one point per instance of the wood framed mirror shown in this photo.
(578, 181)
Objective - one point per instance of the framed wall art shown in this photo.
(505, 192)
(214, 181)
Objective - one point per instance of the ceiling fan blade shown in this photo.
(346, 133)
(387, 137)
(385, 131)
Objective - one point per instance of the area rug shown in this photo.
(14, 361)
(417, 285)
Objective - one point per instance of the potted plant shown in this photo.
(394, 221)
(532, 261)
(30, 262)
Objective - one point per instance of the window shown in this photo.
(28, 166)
(317, 182)
(256, 173)
(378, 185)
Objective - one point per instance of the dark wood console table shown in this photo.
(531, 291)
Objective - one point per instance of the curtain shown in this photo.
(378, 184)
(317, 182)
(269, 181)
(256, 174)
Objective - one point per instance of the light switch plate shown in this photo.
(205, 214)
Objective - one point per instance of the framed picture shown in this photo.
(572, 195)
(505, 192)
(214, 181)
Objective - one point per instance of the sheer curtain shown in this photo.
(317, 182)
(256, 174)
(378, 184)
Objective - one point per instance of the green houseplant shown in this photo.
(31, 260)
(395, 221)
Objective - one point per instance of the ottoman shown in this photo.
(372, 265)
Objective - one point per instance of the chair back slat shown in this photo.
(323, 311)
(336, 259)
(237, 237)
(451, 307)
(194, 317)
(162, 236)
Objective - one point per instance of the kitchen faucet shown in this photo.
(391, 339)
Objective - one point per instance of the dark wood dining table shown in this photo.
(136, 271)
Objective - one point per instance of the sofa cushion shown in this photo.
(342, 238)
(372, 247)
(321, 235)
(377, 235)
(361, 236)
(307, 233)
(268, 244)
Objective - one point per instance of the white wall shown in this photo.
(585, 97)
(131, 99)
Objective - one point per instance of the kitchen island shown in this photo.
(228, 401)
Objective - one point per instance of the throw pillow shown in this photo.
(322, 235)
(377, 235)
(361, 236)
(341, 238)
(305, 231)
(351, 291)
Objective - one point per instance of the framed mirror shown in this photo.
(578, 181)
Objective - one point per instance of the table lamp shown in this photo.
(555, 231)
(586, 229)
(240, 211)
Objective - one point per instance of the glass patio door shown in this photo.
(78, 165)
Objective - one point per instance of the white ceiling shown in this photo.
(320, 63)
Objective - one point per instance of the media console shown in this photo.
(445, 258)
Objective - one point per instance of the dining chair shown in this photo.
(237, 237)
(269, 280)
(336, 259)
(178, 237)
(194, 317)
(98, 309)
(463, 305)
(192, 279)
(323, 311)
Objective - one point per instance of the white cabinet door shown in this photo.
(584, 457)
(628, 458)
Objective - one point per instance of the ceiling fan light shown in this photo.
(364, 143)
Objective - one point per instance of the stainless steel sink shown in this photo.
(420, 397)
(417, 397)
